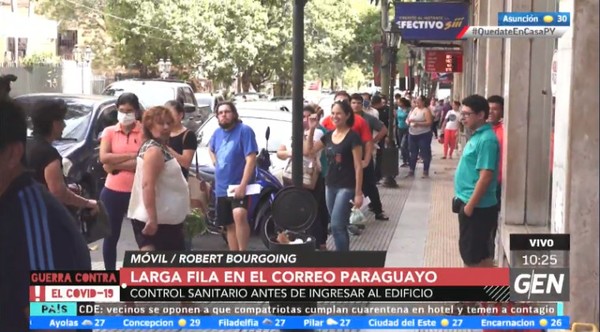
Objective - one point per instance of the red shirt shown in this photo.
(361, 127)
(499, 131)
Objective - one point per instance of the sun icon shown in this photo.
(548, 19)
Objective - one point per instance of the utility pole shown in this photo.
(297, 92)
(385, 56)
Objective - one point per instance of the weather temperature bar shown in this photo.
(299, 322)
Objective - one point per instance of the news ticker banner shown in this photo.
(522, 25)
(539, 273)
(57, 309)
(301, 322)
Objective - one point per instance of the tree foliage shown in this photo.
(366, 32)
(249, 39)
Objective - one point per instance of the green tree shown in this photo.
(147, 30)
(236, 36)
(274, 57)
(329, 31)
(366, 32)
(353, 77)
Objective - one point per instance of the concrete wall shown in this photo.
(520, 70)
(69, 77)
(575, 180)
(36, 79)
(41, 33)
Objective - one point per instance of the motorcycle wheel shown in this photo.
(266, 226)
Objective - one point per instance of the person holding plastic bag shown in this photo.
(343, 183)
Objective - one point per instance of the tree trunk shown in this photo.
(246, 80)
(256, 81)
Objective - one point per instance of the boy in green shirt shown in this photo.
(475, 185)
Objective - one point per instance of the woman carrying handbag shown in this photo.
(313, 178)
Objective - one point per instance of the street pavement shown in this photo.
(422, 230)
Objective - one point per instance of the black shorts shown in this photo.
(167, 237)
(476, 233)
(225, 206)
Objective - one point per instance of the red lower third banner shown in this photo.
(74, 293)
(314, 277)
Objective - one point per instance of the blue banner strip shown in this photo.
(545, 19)
(301, 322)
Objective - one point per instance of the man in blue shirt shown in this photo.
(475, 185)
(233, 150)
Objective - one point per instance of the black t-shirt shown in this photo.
(185, 141)
(40, 153)
(384, 115)
(340, 163)
(36, 233)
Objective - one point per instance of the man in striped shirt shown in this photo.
(36, 231)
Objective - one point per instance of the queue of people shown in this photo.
(148, 161)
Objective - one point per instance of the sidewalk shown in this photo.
(422, 230)
(427, 232)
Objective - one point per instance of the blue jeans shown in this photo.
(116, 204)
(420, 145)
(338, 204)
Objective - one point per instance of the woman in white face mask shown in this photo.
(119, 145)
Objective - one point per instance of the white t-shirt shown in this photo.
(372, 111)
(452, 120)
(316, 137)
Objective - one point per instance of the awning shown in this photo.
(22, 26)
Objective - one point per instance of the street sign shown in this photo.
(443, 61)
(431, 20)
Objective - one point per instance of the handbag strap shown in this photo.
(184, 136)
(196, 159)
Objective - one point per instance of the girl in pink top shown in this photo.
(118, 151)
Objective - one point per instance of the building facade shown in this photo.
(550, 157)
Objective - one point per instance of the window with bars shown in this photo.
(21, 49)
(65, 44)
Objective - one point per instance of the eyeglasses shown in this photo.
(466, 114)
